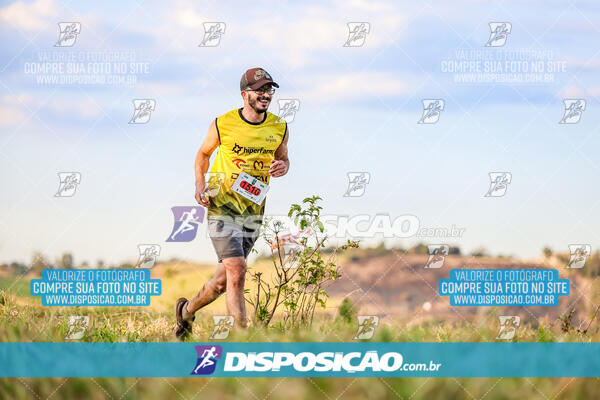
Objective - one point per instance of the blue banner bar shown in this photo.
(300, 359)
(95, 287)
(504, 287)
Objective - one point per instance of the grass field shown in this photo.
(22, 318)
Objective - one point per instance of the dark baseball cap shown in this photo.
(255, 78)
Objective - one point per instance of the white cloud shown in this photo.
(296, 37)
(21, 99)
(571, 92)
(86, 108)
(299, 41)
(578, 92)
(28, 16)
(188, 18)
(11, 116)
(574, 63)
(351, 86)
(13, 110)
(24, 103)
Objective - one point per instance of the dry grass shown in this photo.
(22, 318)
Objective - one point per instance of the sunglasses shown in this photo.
(262, 90)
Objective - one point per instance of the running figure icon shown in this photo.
(208, 354)
(208, 357)
(186, 221)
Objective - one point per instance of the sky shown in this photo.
(359, 108)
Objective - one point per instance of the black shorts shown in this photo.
(230, 239)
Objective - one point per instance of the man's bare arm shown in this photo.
(281, 165)
(202, 163)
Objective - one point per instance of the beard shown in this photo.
(257, 106)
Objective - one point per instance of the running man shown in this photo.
(576, 108)
(251, 140)
(434, 108)
(207, 361)
(188, 220)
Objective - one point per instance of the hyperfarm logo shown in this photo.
(328, 362)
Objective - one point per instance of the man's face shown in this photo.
(260, 99)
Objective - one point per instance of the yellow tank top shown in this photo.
(244, 146)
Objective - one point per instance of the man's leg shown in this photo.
(209, 292)
(235, 269)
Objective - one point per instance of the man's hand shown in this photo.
(278, 168)
(202, 194)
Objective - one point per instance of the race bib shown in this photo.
(251, 188)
